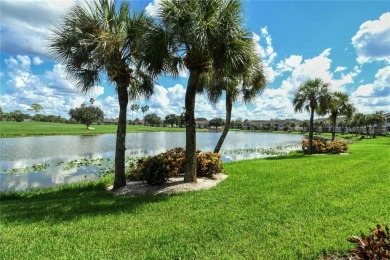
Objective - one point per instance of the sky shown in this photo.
(345, 43)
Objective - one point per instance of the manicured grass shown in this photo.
(291, 207)
(18, 129)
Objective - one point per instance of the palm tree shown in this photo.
(134, 107)
(202, 36)
(144, 109)
(313, 95)
(339, 105)
(357, 122)
(103, 38)
(249, 84)
(378, 118)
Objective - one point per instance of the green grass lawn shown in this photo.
(18, 129)
(291, 207)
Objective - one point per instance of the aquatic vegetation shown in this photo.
(275, 151)
(33, 168)
(104, 166)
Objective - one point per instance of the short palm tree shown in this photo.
(204, 37)
(357, 122)
(313, 95)
(101, 38)
(339, 105)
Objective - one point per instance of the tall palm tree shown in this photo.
(339, 105)
(248, 85)
(313, 95)
(202, 36)
(103, 38)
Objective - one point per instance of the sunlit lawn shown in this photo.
(293, 207)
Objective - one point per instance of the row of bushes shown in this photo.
(322, 146)
(156, 170)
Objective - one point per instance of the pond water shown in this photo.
(49, 154)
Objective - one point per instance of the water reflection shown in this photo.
(24, 152)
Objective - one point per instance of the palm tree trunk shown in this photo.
(190, 165)
(311, 123)
(334, 128)
(229, 105)
(120, 178)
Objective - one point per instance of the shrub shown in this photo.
(176, 159)
(336, 147)
(156, 170)
(322, 146)
(208, 164)
(373, 246)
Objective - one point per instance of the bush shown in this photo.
(156, 170)
(322, 146)
(208, 164)
(374, 246)
(336, 147)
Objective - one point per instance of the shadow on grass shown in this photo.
(68, 204)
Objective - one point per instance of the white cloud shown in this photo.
(266, 53)
(290, 63)
(375, 96)
(151, 8)
(25, 25)
(37, 60)
(52, 89)
(339, 69)
(372, 41)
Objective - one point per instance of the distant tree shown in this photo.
(376, 119)
(35, 107)
(1, 113)
(366, 122)
(17, 115)
(237, 123)
(86, 114)
(339, 105)
(153, 120)
(144, 109)
(171, 119)
(313, 96)
(357, 122)
(134, 107)
(137, 121)
(200, 119)
(216, 122)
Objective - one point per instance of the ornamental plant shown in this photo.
(208, 164)
(321, 146)
(373, 246)
(156, 170)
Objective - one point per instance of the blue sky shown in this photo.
(346, 43)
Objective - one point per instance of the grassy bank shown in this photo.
(292, 207)
(19, 129)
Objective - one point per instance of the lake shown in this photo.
(38, 162)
